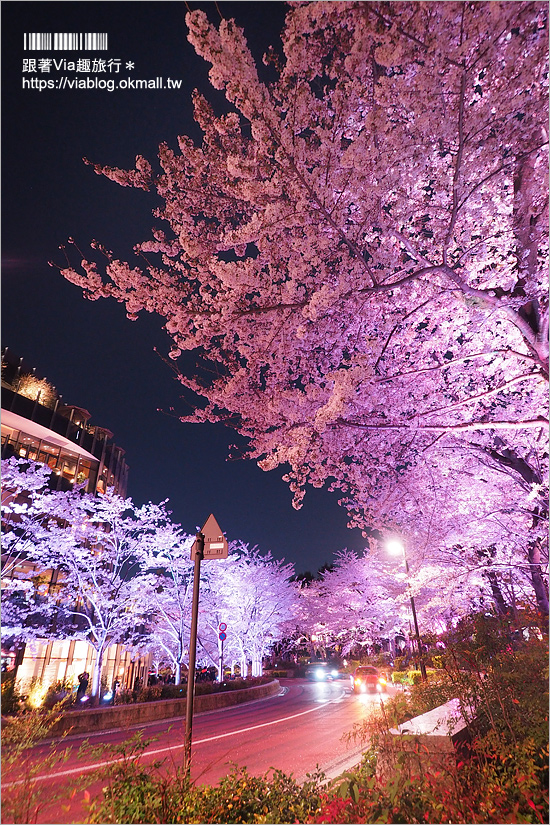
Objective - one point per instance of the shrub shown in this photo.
(469, 794)
(11, 697)
(141, 794)
(25, 796)
(150, 693)
(170, 691)
(153, 693)
(503, 689)
(60, 691)
(411, 677)
(400, 677)
(124, 696)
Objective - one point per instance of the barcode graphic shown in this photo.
(65, 41)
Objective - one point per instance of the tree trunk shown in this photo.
(96, 677)
(539, 584)
(177, 675)
(500, 602)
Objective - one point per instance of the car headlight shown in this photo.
(334, 672)
(320, 673)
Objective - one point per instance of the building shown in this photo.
(36, 424)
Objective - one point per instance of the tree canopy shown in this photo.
(357, 256)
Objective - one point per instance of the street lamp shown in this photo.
(397, 548)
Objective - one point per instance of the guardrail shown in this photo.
(89, 720)
(432, 741)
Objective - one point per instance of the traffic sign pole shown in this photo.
(222, 636)
(210, 543)
(199, 553)
(220, 659)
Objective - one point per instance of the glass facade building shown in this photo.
(37, 425)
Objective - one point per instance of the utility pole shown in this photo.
(413, 608)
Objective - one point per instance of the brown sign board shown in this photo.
(215, 544)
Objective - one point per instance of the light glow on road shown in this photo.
(155, 752)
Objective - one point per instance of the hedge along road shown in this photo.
(295, 731)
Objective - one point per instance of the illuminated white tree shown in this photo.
(253, 594)
(101, 546)
(26, 502)
(166, 592)
(27, 506)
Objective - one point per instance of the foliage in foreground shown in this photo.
(26, 795)
(501, 680)
(147, 794)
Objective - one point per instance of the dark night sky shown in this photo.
(94, 356)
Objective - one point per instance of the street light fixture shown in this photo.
(397, 548)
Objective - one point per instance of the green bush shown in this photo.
(11, 697)
(135, 793)
(410, 677)
(400, 677)
(24, 797)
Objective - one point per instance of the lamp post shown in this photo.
(397, 548)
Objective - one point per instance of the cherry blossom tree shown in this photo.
(25, 505)
(366, 598)
(353, 604)
(167, 591)
(357, 252)
(474, 502)
(254, 595)
(101, 546)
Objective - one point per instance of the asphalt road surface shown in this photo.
(305, 726)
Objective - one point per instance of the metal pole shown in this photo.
(199, 554)
(413, 607)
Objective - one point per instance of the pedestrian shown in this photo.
(83, 680)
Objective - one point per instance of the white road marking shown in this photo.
(97, 765)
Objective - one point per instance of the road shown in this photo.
(304, 726)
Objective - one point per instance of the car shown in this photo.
(321, 671)
(367, 679)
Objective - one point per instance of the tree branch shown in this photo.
(486, 394)
(535, 423)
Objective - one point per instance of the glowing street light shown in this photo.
(397, 548)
